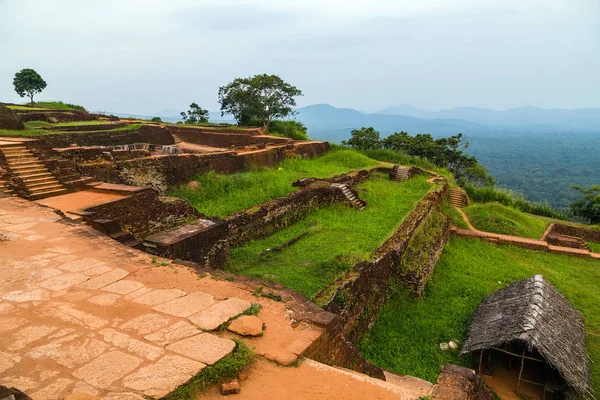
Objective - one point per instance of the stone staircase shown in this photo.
(4, 188)
(458, 198)
(400, 174)
(351, 195)
(39, 182)
(112, 228)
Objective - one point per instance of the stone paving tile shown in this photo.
(84, 387)
(106, 299)
(163, 377)
(7, 361)
(215, 315)
(28, 335)
(6, 308)
(159, 296)
(187, 305)
(206, 348)
(20, 296)
(64, 281)
(24, 383)
(103, 280)
(107, 368)
(68, 313)
(123, 396)
(180, 330)
(145, 324)
(42, 274)
(130, 344)
(123, 287)
(10, 323)
(69, 355)
(81, 265)
(97, 270)
(138, 293)
(54, 391)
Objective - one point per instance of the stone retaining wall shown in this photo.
(589, 235)
(223, 138)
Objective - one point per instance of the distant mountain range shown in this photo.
(326, 122)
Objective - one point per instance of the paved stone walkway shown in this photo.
(80, 313)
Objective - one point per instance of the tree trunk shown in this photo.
(31, 97)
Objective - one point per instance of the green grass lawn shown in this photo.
(48, 105)
(338, 238)
(594, 246)
(406, 334)
(19, 108)
(497, 218)
(41, 132)
(220, 195)
(457, 218)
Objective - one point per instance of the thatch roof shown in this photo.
(534, 312)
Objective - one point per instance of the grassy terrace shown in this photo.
(406, 335)
(221, 195)
(497, 218)
(35, 132)
(338, 237)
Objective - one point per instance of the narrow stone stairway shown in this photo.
(40, 182)
(4, 188)
(351, 195)
(400, 174)
(457, 198)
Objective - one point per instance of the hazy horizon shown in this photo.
(141, 57)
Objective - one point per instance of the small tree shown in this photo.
(364, 139)
(261, 98)
(588, 207)
(27, 82)
(194, 115)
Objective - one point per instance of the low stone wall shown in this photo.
(460, 383)
(567, 241)
(224, 138)
(56, 115)
(589, 235)
(276, 214)
(407, 258)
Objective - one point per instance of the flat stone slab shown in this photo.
(163, 377)
(107, 368)
(159, 296)
(145, 324)
(81, 265)
(123, 287)
(29, 335)
(247, 325)
(7, 361)
(69, 352)
(206, 348)
(215, 315)
(64, 281)
(55, 390)
(130, 344)
(100, 281)
(106, 299)
(68, 313)
(165, 336)
(20, 296)
(187, 305)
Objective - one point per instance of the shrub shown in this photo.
(156, 119)
(289, 129)
(59, 105)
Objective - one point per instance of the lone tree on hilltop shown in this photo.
(260, 98)
(195, 115)
(587, 207)
(364, 139)
(28, 83)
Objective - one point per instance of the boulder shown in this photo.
(9, 119)
(232, 387)
(247, 325)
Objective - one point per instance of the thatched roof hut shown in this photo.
(533, 312)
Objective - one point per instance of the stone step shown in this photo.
(12, 155)
(24, 163)
(35, 177)
(43, 185)
(30, 171)
(9, 147)
(50, 193)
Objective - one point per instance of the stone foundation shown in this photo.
(573, 242)
(460, 383)
(589, 235)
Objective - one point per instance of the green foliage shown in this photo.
(364, 139)
(497, 218)
(491, 194)
(59, 105)
(220, 195)
(28, 83)
(457, 218)
(340, 237)
(156, 119)
(406, 334)
(594, 246)
(290, 129)
(41, 132)
(404, 159)
(36, 124)
(195, 115)
(588, 207)
(226, 368)
(260, 97)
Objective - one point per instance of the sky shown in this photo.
(145, 56)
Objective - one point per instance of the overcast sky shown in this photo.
(143, 56)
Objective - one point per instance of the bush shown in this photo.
(156, 119)
(289, 129)
(59, 105)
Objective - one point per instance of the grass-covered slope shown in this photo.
(338, 238)
(220, 195)
(406, 334)
(35, 129)
(497, 218)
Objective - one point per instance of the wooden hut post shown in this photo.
(480, 361)
(521, 370)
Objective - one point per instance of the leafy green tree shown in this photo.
(156, 119)
(28, 83)
(364, 139)
(261, 97)
(195, 115)
(291, 129)
(588, 207)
